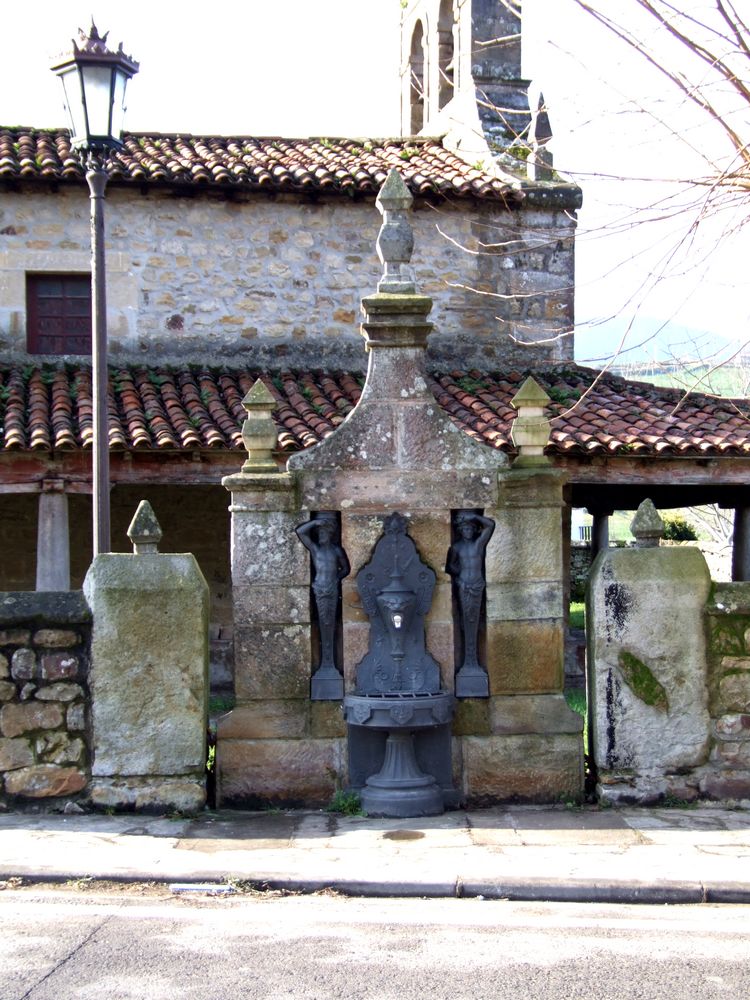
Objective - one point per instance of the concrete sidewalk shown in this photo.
(694, 855)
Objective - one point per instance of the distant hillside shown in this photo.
(675, 356)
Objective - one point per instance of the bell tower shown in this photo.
(461, 74)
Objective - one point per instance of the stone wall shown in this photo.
(45, 744)
(260, 280)
(580, 567)
(728, 620)
(198, 521)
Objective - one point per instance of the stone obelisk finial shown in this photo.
(395, 242)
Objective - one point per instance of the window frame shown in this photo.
(67, 342)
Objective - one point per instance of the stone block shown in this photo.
(734, 692)
(60, 691)
(4, 666)
(23, 665)
(356, 644)
(531, 487)
(263, 720)
(287, 772)
(352, 610)
(59, 666)
(75, 718)
(272, 661)
(359, 533)
(431, 532)
(516, 601)
(15, 753)
(522, 713)
(149, 664)
(526, 768)
(647, 661)
(725, 785)
(472, 717)
(269, 605)
(55, 638)
(733, 754)
(7, 690)
(15, 637)
(732, 727)
(18, 719)
(327, 720)
(153, 794)
(526, 545)
(266, 551)
(59, 748)
(441, 609)
(439, 642)
(42, 781)
(525, 657)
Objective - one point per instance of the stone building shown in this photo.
(234, 258)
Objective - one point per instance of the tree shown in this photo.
(703, 55)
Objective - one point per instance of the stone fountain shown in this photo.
(398, 680)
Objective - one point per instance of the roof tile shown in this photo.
(49, 408)
(296, 165)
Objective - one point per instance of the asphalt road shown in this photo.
(150, 945)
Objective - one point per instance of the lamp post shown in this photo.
(94, 80)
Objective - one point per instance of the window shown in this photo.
(58, 313)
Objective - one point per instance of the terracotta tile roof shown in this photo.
(49, 409)
(304, 166)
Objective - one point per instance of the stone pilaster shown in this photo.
(53, 539)
(149, 677)
(527, 742)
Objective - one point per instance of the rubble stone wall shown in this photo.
(261, 280)
(45, 745)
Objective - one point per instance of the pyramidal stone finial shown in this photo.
(144, 531)
(395, 242)
(259, 433)
(647, 526)
(531, 429)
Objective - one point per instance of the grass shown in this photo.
(220, 703)
(576, 699)
(345, 803)
(577, 614)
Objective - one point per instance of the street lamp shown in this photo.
(94, 81)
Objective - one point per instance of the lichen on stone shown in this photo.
(642, 682)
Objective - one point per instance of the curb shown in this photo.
(512, 890)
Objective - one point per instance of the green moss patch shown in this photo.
(642, 682)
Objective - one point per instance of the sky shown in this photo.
(331, 68)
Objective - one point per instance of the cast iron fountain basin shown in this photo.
(400, 788)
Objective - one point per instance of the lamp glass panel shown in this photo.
(97, 82)
(71, 82)
(118, 104)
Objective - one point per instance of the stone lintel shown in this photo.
(381, 491)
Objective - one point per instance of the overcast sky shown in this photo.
(331, 67)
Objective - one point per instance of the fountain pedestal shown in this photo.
(398, 682)
(400, 788)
